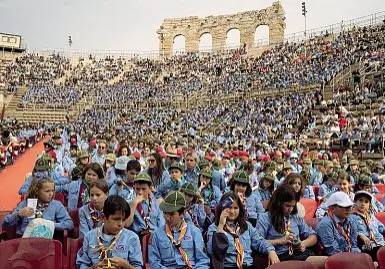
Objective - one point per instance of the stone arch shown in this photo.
(233, 38)
(261, 35)
(206, 42)
(246, 22)
(179, 44)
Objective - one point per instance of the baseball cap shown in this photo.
(339, 198)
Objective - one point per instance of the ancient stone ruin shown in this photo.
(192, 28)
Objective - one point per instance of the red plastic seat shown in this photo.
(31, 253)
(74, 214)
(260, 262)
(310, 207)
(61, 198)
(145, 243)
(381, 217)
(75, 245)
(316, 190)
(293, 265)
(381, 257)
(379, 197)
(380, 188)
(349, 260)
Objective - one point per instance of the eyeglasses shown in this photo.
(151, 161)
(102, 147)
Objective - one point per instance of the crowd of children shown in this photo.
(202, 209)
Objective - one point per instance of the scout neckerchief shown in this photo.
(366, 218)
(208, 198)
(344, 234)
(238, 244)
(287, 232)
(146, 217)
(86, 194)
(177, 244)
(40, 209)
(105, 250)
(190, 210)
(94, 215)
(123, 185)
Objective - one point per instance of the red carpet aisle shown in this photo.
(13, 176)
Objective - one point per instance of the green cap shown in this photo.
(333, 175)
(76, 172)
(306, 175)
(241, 176)
(286, 165)
(354, 162)
(307, 161)
(188, 188)
(363, 164)
(111, 157)
(50, 143)
(365, 170)
(173, 202)
(203, 163)
(271, 165)
(178, 166)
(365, 180)
(216, 164)
(280, 160)
(143, 177)
(83, 154)
(269, 177)
(377, 165)
(42, 164)
(369, 162)
(205, 172)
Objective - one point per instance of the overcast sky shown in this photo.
(132, 24)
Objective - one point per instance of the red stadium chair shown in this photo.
(61, 198)
(145, 243)
(349, 260)
(379, 197)
(380, 188)
(75, 245)
(9, 233)
(381, 217)
(74, 214)
(310, 207)
(260, 262)
(31, 253)
(293, 265)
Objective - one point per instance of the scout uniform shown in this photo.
(177, 249)
(211, 194)
(169, 184)
(195, 212)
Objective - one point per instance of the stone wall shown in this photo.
(192, 28)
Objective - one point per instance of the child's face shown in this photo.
(73, 151)
(173, 219)
(341, 212)
(97, 197)
(131, 175)
(205, 179)
(331, 182)
(46, 192)
(176, 174)
(363, 204)
(114, 224)
(124, 152)
(142, 189)
(288, 207)
(297, 184)
(189, 198)
(84, 161)
(266, 183)
(190, 162)
(91, 176)
(344, 185)
(367, 188)
(233, 211)
(240, 188)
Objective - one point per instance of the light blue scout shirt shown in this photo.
(264, 194)
(86, 223)
(156, 217)
(317, 177)
(127, 247)
(167, 186)
(211, 196)
(55, 212)
(199, 214)
(297, 224)
(164, 255)
(111, 177)
(325, 189)
(296, 168)
(68, 162)
(254, 206)
(331, 238)
(100, 159)
(375, 226)
(72, 190)
(218, 179)
(309, 192)
(250, 240)
(192, 176)
(127, 193)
